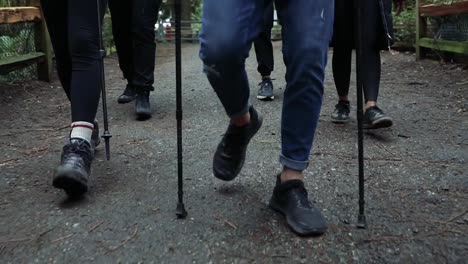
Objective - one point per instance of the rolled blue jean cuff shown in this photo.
(293, 164)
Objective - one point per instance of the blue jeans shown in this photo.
(229, 28)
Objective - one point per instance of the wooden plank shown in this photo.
(444, 45)
(444, 10)
(9, 15)
(12, 63)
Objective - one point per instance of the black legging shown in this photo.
(343, 45)
(263, 46)
(371, 68)
(73, 28)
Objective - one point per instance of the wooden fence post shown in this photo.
(44, 45)
(421, 29)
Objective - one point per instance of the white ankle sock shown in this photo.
(82, 130)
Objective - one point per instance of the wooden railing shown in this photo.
(43, 54)
(423, 42)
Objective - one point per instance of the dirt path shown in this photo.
(416, 177)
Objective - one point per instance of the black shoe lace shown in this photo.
(377, 110)
(301, 197)
(265, 82)
(342, 108)
(80, 149)
(234, 139)
(374, 112)
(262, 89)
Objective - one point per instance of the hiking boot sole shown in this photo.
(142, 116)
(295, 228)
(380, 123)
(265, 98)
(337, 121)
(69, 181)
(125, 100)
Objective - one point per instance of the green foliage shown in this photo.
(196, 14)
(447, 2)
(14, 3)
(15, 40)
(405, 26)
(107, 36)
(197, 10)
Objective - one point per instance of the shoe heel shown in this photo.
(66, 181)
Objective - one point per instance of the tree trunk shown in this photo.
(186, 10)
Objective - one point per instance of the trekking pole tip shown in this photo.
(362, 222)
(180, 211)
(107, 137)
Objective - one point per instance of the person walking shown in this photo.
(378, 31)
(74, 31)
(133, 25)
(264, 52)
(228, 29)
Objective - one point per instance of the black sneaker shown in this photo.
(142, 105)
(375, 118)
(230, 154)
(95, 138)
(265, 92)
(290, 199)
(341, 113)
(127, 96)
(73, 172)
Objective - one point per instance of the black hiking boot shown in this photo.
(127, 96)
(142, 105)
(265, 92)
(73, 172)
(290, 199)
(230, 154)
(375, 118)
(341, 113)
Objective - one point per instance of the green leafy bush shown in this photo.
(405, 26)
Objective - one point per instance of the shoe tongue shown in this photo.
(374, 108)
(288, 185)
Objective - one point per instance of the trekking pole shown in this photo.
(362, 223)
(102, 54)
(180, 211)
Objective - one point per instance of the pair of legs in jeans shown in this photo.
(133, 29)
(229, 28)
(264, 52)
